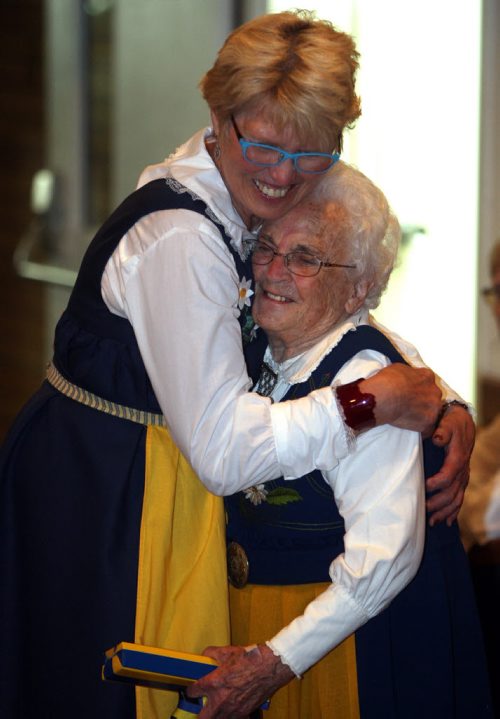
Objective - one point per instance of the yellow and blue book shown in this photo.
(160, 669)
(154, 667)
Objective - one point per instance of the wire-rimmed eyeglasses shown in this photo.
(313, 163)
(298, 262)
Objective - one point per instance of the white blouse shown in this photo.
(379, 490)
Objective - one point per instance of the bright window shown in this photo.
(418, 139)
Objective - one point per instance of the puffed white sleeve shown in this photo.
(174, 279)
(379, 490)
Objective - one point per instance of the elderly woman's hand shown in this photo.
(405, 397)
(456, 432)
(241, 683)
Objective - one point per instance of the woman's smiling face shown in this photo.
(296, 311)
(262, 193)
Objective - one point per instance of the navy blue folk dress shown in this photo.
(423, 656)
(72, 486)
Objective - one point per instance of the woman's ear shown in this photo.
(358, 296)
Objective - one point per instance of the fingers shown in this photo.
(240, 685)
(445, 509)
(442, 435)
(457, 428)
(223, 654)
(456, 432)
(449, 487)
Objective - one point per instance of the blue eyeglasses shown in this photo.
(313, 163)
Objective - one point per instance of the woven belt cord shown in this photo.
(103, 405)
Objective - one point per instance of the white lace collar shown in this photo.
(299, 368)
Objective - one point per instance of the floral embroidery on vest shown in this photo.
(278, 496)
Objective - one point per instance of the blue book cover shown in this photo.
(155, 667)
(152, 666)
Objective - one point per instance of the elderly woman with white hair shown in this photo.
(337, 570)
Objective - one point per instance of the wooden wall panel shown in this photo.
(21, 153)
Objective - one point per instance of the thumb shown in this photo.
(442, 434)
(438, 438)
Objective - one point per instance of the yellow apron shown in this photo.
(182, 594)
(329, 690)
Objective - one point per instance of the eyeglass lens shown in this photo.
(269, 155)
(262, 155)
(298, 263)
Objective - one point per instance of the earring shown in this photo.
(217, 152)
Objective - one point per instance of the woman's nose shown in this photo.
(283, 173)
(277, 268)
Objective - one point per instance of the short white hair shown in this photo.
(366, 223)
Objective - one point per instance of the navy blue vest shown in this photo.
(96, 349)
(292, 535)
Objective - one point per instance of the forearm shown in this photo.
(379, 491)
(326, 622)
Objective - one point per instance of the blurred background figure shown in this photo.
(480, 514)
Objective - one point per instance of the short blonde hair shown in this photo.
(300, 67)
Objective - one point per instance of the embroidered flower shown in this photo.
(256, 494)
(278, 496)
(248, 326)
(253, 332)
(244, 293)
